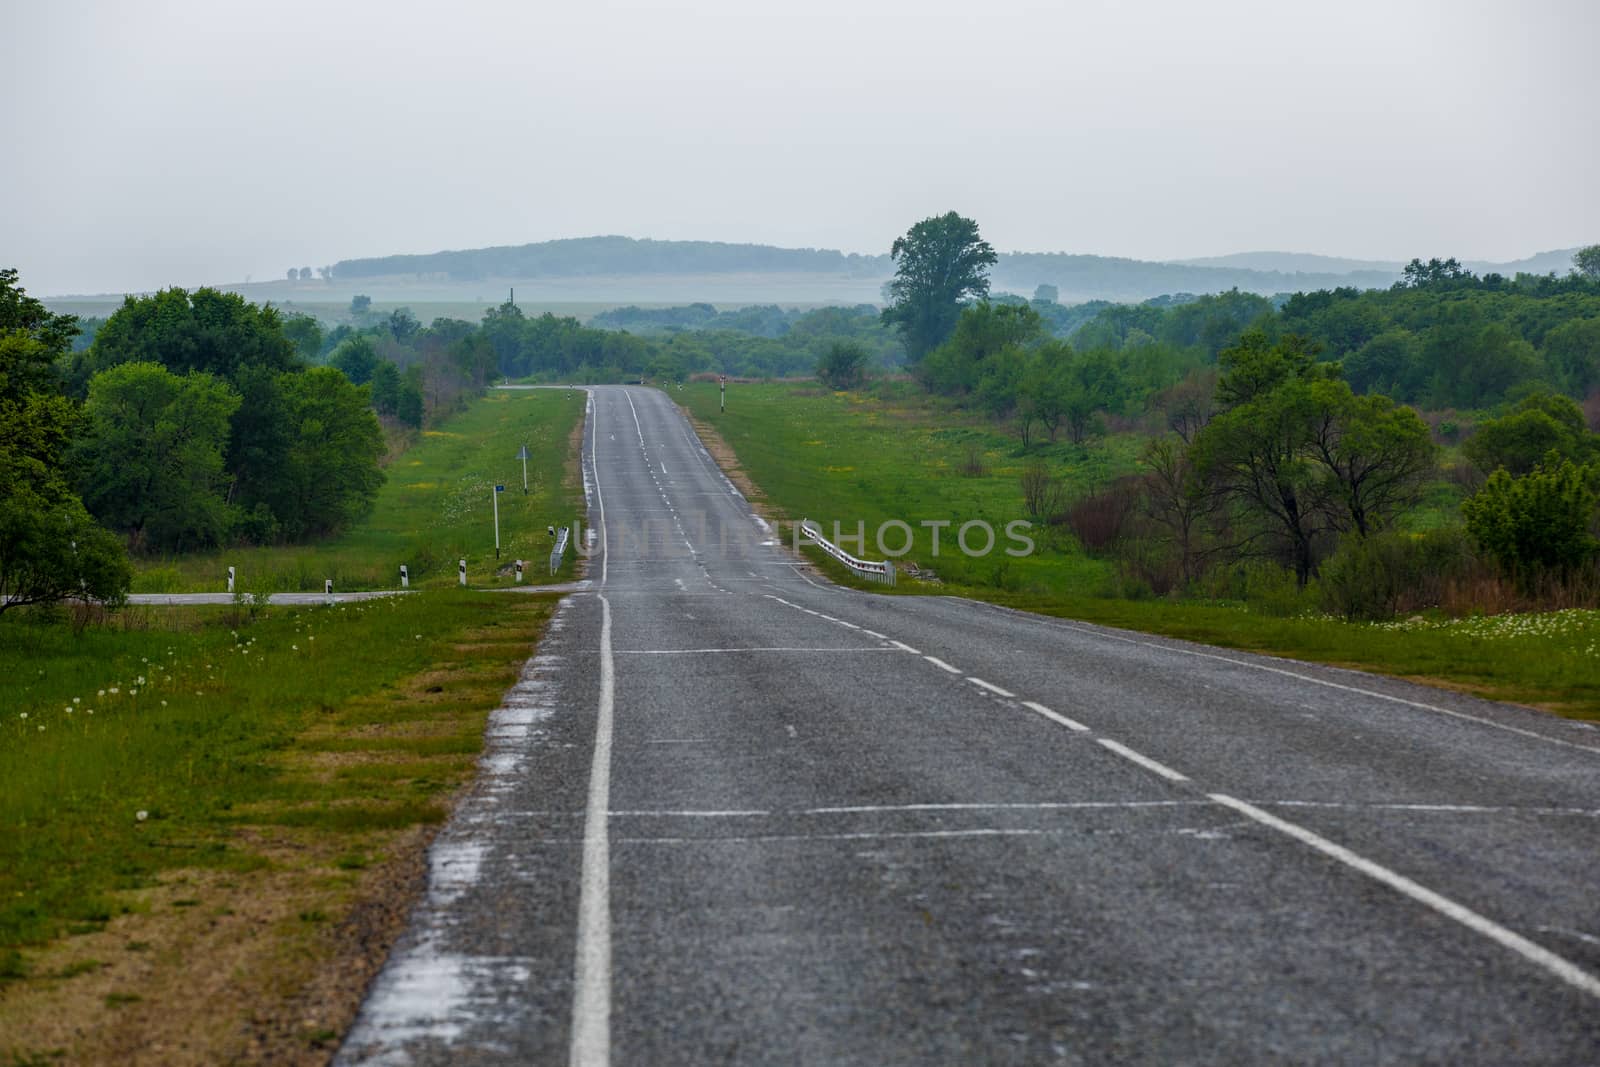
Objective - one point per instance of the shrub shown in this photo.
(1042, 492)
(1537, 522)
(1382, 575)
(1100, 519)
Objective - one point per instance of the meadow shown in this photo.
(436, 507)
(891, 452)
(212, 819)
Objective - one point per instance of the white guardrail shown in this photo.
(871, 570)
(561, 547)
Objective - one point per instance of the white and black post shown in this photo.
(519, 572)
(327, 587)
(230, 579)
(522, 454)
(405, 577)
(461, 569)
(498, 489)
(723, 402)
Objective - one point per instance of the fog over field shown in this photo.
(189, 143)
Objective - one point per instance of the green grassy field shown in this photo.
(435, 507)
(893, 454)
(862, 460)
(266, 768)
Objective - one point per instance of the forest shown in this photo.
(1301, 429)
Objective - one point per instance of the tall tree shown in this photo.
(151, 464)
(1586, 261)
(332, 467)
(50, 548)
(940, 263)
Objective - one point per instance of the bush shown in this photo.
(1536, 523)
(1042, 492)
(1100, 519)
(1380, 576)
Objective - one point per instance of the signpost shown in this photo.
(497, 491)
(723, 402)
(522, 454)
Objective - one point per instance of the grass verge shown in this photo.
(867, 458)
(436, 507)
(211, 831)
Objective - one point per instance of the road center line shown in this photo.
(902, 646)
(1142, 760)
(941, 664)
(991, 687)
(591, 1001)
(1562, 968)
(1071, 724)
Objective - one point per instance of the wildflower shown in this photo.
(295, 648)
(114, 690)
(139, 680)
(163, 703)
(24, 715)
(41, 728)
(77, 700)
(141, 815)
(102, 692)
(133, 692)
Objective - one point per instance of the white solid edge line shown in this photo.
(1142, 760)
(1071, 724)
(942, 665)
(991, 687)
(1102, 632)
(594, 471)
(1562, 968)
(591, 1001)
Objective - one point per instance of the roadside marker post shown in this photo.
(497, 491)
(461, 569)
(723, 402)
(327, 587)
(230, 579)
(519, 572)
(405, 577)
(522, 454)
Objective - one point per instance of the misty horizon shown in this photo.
(196, 144)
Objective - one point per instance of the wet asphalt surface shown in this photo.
(844, 828)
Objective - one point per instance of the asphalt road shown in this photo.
(732, 814)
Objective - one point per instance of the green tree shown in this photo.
(982, 332)
(1538, 522)
(843, 365)
(305, 333)
(208, 331)
(356, 358)
(360, 304)
(385, 388)
(331, 470)
(1573, 350)
(151, 464)
(940, 263)
(1586, 261)
(1255, 451)
(1375, 455)
(1520, 441)
(50, 548)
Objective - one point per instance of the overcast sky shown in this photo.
(176, 142)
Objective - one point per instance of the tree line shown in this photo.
(1269, 437)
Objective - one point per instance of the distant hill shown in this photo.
(625, 270)
(589, 256)
(1294, 263)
